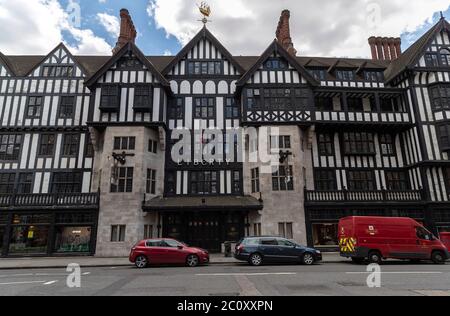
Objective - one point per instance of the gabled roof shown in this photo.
(60, 46)
(4, 61)
(412, 55)
(275, 47)
(130, 47)
(204, 33)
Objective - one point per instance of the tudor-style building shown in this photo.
(90, 160)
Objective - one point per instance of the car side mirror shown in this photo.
(180, 247)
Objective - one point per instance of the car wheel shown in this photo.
(141, 262)
(358, 260)
(255, 259)
(192, 261)
(375, 257)
(438, 257)
(308, 259)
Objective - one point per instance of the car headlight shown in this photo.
(318, 252)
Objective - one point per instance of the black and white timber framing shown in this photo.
(355, 103)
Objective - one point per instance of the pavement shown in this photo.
(63, 262)
(234, 280)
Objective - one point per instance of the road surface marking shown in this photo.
(400, 272)
(246, 274)
(15, 275)
(23, 283)
(247, 287)
(50, 282)
(86, 273)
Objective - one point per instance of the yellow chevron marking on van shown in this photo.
(347, 244)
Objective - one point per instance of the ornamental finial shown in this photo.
(205, 10)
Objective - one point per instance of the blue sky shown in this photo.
(245, 27)
(409, 38)
(151, 41)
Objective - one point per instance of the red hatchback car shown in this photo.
(166, 251)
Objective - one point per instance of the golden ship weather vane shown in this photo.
(205, 10)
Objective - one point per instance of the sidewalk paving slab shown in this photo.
(89, 262)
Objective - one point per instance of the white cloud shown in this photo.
(111, 23)
(326, 27)
(37, 26)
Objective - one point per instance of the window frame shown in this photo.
(325, 147)
(325, 184)
(388, 141)
(279, 176)
(58, 71)
(150, 184)
(72, 148)
(16, 147)
(204, 67)
(207, 103)
(37, 108)
(65, 182)
(47, 145)
(400, 183)
(127, 178)
(64, 106)
(128, 145)
(350, 146)
(143, 93)
(360, 184)
(255, 180)
(202, 183)
(109, 99)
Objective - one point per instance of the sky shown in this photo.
(245, 27)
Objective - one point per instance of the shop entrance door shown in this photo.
(203, 230)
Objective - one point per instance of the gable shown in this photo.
(59, 64)
(292, 73)
(267, 75)
(128, 65)
(5, 70)
(128, 69)
(203, 47)
(441, 41)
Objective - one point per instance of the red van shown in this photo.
(378, 238)
(445, 238)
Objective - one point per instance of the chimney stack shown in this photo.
(385, 48)
(127, 31)
(284, 33)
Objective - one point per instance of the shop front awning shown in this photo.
(209, 203)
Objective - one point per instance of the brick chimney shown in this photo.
(127, 30)
(284, 33)
(385, 48)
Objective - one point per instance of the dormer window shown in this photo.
(276, 64)
(345, 75)
(374, 76)
(318, 74)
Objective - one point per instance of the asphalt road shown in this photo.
(232, 280)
